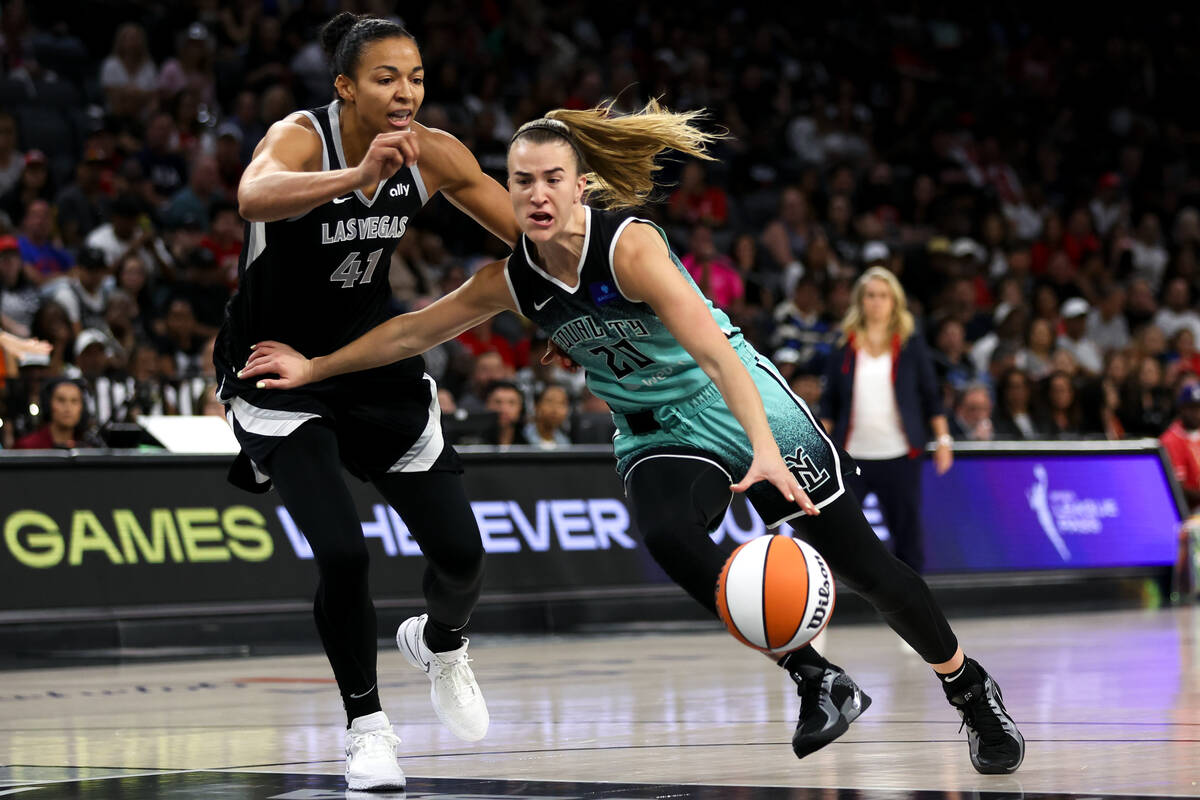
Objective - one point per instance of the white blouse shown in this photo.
(875, 430)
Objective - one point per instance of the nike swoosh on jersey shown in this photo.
(541, 305)
(342, 199)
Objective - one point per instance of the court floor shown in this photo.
(1109, 704)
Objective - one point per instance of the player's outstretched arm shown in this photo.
(646, 272)
(480, 298)
(285, 179)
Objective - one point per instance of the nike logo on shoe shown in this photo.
(541, 305)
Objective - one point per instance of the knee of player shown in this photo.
(343, 563)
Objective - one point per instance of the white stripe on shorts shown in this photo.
(429, 445)
(267, 421)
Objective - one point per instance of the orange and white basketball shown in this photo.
(775, 594)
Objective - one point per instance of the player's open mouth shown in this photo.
(400, 119)
(541, 219)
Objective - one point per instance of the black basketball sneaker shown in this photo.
(829, 702)
(997, 747)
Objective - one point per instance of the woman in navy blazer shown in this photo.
(881, 403)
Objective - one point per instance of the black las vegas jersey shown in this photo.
(320, 280)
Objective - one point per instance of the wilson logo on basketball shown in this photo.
(824, 597)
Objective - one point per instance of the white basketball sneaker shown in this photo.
(371, 763)
(455, 694)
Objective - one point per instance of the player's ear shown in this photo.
(580, 185)
(344, 87)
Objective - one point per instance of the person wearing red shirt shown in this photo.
(1182, 442)
(67, 424)
(697, 202)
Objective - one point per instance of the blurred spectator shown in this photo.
(121, 324)
(484, 339)
(224, 240)
(1145, 404)
(12, 161)
(697, 203)
(489, 368)
(1141, 306)
(19, 298)
(1074, 337)
(1014, 417)
(1146, 257)
(550, 410)
(802, 337)
(160, 158)
(203, 285)
(712, 271)
(880, 403)
(1184, 357)
(504, 399)
(972, 419)
(192, 68)
(1176, 312)
(1009, 329)
(84, 293)
(265, 63)
(123, 236)
(66, 422)
(952, 365)
(1063, 413)
(197, 198)
(229, 158)
(1182, 443)
(543, 368)
(1107, 207)
(83, 205)
(51, 324)
(128, 75)
(1106, 325)
(34, 184)
(38, 249)
(180, 339)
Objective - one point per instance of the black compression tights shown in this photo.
(308, 475)
(676, 500)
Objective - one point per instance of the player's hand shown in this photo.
(386, 155)
(276, 358)
(553, 351)
(771, 467)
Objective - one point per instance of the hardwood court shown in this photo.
(1109, 704)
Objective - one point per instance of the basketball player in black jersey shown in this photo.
(329, 193)
(695, 405)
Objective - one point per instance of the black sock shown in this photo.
(961, 680)
(806, 656)
(440, 638)
(361, 705)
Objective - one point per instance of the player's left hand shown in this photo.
(771, 467)
(276, 358)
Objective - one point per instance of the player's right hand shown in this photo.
(276, 358)
(387, 154)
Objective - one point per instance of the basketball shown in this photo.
(775, 594)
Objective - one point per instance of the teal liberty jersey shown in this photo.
(631, 359)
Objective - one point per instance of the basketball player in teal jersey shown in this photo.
(694, 404)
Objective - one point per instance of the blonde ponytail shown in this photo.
(619, 151)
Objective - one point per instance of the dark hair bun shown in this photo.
(332, 32)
